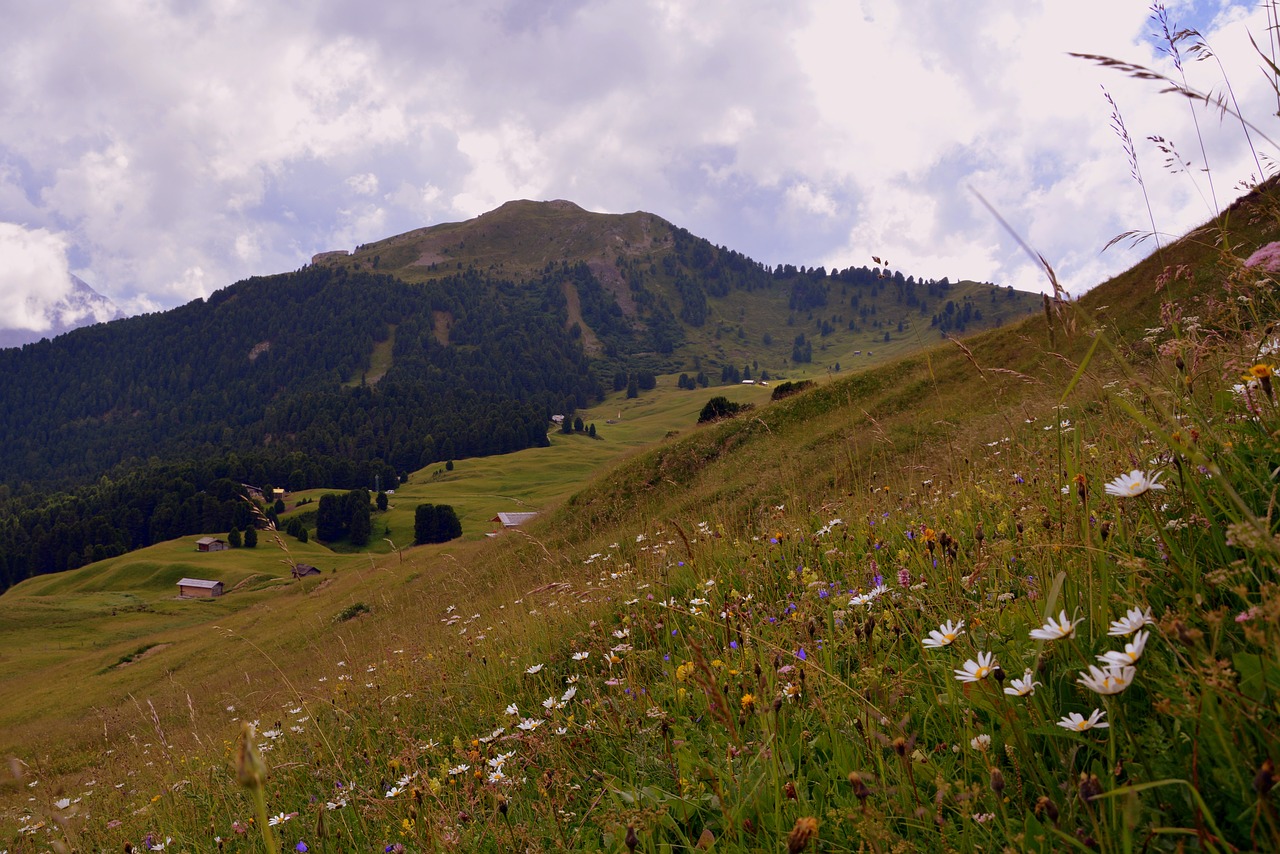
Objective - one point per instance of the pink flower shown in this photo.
(1266, 257)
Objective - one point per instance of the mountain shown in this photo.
(81, 307)
(459, 340)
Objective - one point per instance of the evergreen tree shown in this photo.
(360, 525)
(633, 388)
(424, 524)
(233, 538)
(382, 502)
(329, 521)
(250, 537)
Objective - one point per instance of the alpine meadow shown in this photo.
(577, 532)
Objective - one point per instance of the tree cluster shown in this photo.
(435, 523)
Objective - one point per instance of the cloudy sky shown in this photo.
(162, 149)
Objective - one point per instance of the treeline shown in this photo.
(132, 508)
(262, 364)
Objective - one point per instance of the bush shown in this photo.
(721, 407)
(789, 388)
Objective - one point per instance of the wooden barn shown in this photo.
(198, 588)
(302, 570)
(210, 544)
(512, 520)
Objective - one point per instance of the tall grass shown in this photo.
(1045, 623)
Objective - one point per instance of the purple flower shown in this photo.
(301, 846)
(801, 655)
(904, 577)
(733, 644)
(877, 580)
(823, 594)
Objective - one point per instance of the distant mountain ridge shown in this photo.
(82, 307)
(453, 341)
(542, 305)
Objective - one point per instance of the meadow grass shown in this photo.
(1016, 593)
(860, 618)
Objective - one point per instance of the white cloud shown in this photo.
(179, 147)
(33, 276)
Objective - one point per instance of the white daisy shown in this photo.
(944, 635)
(1023, 687)
(1134, 619)
(533, 669)
(1131, 653)
(976, 671)
(1057, 629)
(1077, 722)
(1111, 679)
(1133, 484)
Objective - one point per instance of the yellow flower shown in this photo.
(748, 701)
(1259, 371)
(684, 671)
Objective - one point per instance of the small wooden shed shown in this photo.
(512, 520)
(198, 588)
(302, 570)
(210, 544)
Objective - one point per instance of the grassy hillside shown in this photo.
(861, 618)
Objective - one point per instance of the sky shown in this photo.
(163, 149)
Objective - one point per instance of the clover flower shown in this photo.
(1133, 484)
(943, 635)
(1131, 653)
(1111, 679)
(1134, 619)
(976, 671)
(1078, 723)
(981, 742)
(1057, 629)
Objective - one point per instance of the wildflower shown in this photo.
(569, 694)
(1078, 723)
(393, 791)
(1267, 257)
(278, 819)
(1132, 651)
(530, 724)
(976, 671)
(944, 635)
(533, 669)
(980, 742)
(748, 702)
(1134, 619)
(868, 597)
(512, 710)
(1023, 687)
(1109, 680)
(1056, 630)
(458, 769)
(1133, 484)
(1262, 373)
(791, 691)
(798, 839)
(301, 847)
(580, 656)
